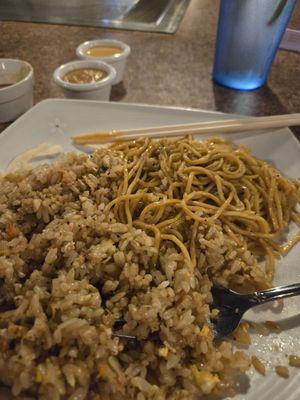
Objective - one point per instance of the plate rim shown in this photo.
(142, 106)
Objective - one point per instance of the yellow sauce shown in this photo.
(103, 51)
(85, 75)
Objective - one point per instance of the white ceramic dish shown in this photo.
(117, 61)
(85, 91)
(16, 98)
(56, 121)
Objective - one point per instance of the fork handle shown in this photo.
(276, 293)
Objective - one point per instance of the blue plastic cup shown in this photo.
(249, 33)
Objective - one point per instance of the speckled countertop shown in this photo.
(162, 69)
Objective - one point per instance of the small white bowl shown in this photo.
(87, 91)
(16, 98)
(117, 61)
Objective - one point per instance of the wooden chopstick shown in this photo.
(210, 127)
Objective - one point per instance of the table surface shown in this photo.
(162, 69)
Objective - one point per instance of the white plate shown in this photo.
(56, 121)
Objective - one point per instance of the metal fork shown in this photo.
(231, 306)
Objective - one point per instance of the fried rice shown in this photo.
(69, 271)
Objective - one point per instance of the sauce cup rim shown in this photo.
(80, 51)
(81, 64)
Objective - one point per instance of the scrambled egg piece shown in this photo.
(163, 352)
(205, 332)
(205, 380)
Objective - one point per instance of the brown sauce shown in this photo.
(5, 86)
(103, 51)
(85, 75)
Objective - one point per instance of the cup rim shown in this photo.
(80, 50)
(84, 87)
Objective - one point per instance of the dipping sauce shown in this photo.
(85, 75)
(103, 51)
(4, 86)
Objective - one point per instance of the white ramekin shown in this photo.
(87, 91)
(18, 97)
(117, 61)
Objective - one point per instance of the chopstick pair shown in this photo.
(211, 127)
